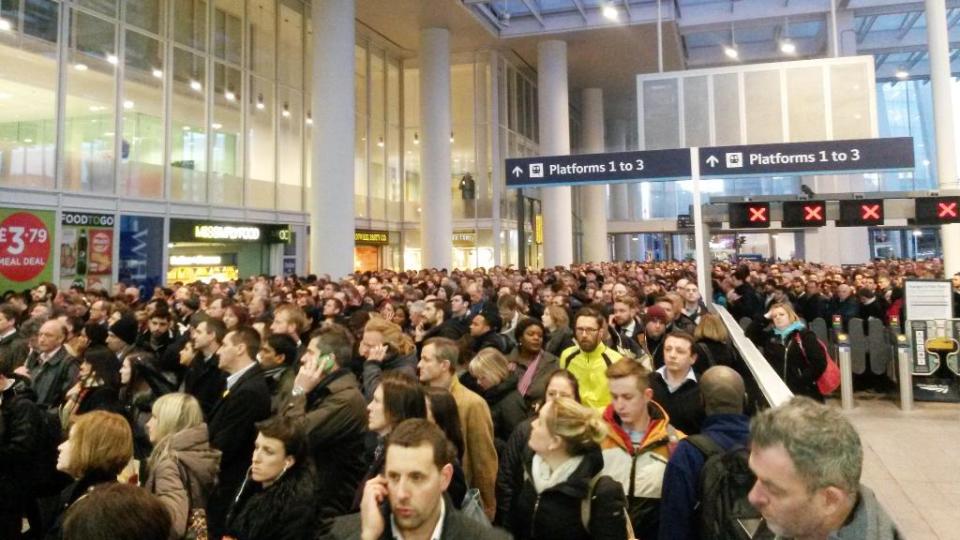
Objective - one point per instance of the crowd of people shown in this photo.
(581, 402)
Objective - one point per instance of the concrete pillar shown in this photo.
(619, 204)
(593, 198)
(331, 222)
(554, 111)
(436, 217)
(940, 80)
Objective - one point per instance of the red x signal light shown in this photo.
(946, 210)
(804, 213)
(937, 210)
(860, 213)
(751, 215)
(869, 211)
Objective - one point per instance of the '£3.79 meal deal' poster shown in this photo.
(26, 248)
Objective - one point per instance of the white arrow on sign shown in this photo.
(712, 161)
(517, 171)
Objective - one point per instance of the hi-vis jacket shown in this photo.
(590, 369)
(639, 469)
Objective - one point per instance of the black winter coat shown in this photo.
(798, 364)
(72, 494)
(684, 405)
(284, 511)
(555, 513)
(507, 408)
(514, 454)
(20, 466)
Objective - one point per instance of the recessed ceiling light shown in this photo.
(902, 74)
(196, 85)
(215, 125)
(731, 52)
(787, 47)
(158, 73)
(5, 25)
(80, 67)
(128, 104)
(611, 12)
(112, 58)
(28, 140)
(229, 95)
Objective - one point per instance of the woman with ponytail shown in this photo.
(564, 496)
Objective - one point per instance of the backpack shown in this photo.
(587, 502)
(723, 511)
(830, 378)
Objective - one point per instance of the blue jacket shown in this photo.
(681, 480)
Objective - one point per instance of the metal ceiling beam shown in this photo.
(579, 6)
(879, 61)
(535, 11)
(954, 19)
(892, 7)
(908, 23)
(888, 72)
(626, 7)
(887, 41)
(571, 21)
(710, 16)
(865, 28)
(699, 57)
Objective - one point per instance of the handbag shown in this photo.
(196, 517)
(472, 507)
(830, 378)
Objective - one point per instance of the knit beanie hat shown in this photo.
(655, 313)
(125, 329)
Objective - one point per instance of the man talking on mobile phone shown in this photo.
(327, 400)
(408, 500)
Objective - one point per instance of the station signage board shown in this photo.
(606, 168)
(937, 210)
(807, 157)
(860, 213)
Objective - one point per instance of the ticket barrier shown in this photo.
(934, 359)
(844, 357)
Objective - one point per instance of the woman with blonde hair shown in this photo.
(713, 347)
(183, 467)
(559, 333)
(98, 448)
(562, 474)
(385, 348)
(499, 384)
(792, 349)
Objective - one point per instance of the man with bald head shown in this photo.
(725, 426)
(52, 372)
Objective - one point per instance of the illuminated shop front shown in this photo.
(207, 250)
(368, 250)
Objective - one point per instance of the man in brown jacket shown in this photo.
(326, 398)
(437, 368)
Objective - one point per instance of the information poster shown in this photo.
(928, 300)
(141, 252)
(26, 247)
(86, 250)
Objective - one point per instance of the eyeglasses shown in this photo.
(587, 330)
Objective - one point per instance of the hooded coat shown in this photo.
(182, 476)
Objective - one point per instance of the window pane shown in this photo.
(28, 105)
(226, 160)
(40, 19)
(228, 31)
(262, 15)
(141, 167)
(145, 14)
(260, 145)
(190, 23)
(89, 143)
(290, 62)
(378, 135)
(107, 7)
(289, 181)
(188, 130)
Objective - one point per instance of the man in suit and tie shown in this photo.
(232, 425)
(13, 348)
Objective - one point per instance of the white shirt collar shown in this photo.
(9, 332)
(45, 357)
(691, 376)
(437, 531)
(232, 379)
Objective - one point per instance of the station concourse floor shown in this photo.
(912, 462)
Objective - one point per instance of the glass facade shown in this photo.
(207, 102)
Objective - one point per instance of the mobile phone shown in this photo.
(325, 363)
